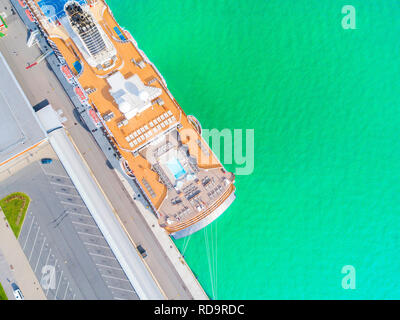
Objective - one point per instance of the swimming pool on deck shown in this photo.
(176, 168)
(77, 67)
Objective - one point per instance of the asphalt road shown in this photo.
(40, 83)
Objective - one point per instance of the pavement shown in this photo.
(19, 269)
(6, 277)
(40, 83)
(59, 237)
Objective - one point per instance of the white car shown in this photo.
(17, 292)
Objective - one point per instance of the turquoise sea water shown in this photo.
(325, 106)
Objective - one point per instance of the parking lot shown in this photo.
(61, 240)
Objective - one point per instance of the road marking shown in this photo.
(121, 289)
(107, 276)
(84, 224)
(89, 234)
(72, 204)
(55, 263)
(96, 245)
(66, 290)
(68, 194)
(79, 214)
(55, 175)
(29, 232)
(103, 265)
(62, 185)
(34, 243)
(62, 271)
(47, 260)
(40, 254)
(100, 255)
(52, 174)
(116, 298)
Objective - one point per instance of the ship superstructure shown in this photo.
(89, 37)
(157, 144)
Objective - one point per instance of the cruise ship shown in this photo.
(156, 143)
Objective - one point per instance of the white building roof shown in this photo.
(49, 118)
(19, 129)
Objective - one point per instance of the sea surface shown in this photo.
(324, 104)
